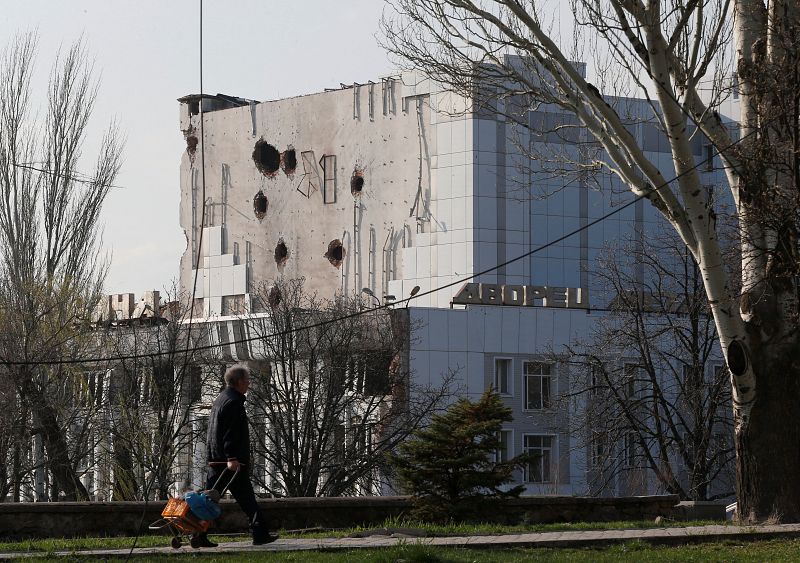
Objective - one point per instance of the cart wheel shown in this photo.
(195, 542)
(176, 543)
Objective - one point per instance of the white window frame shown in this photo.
(550, 377)
(509, 453)
(509, 377)
(551, 466)
(630, 444)
(598, 449)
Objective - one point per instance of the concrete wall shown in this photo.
(72, 519)
(384, 149)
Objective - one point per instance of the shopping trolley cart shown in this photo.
(177, 517)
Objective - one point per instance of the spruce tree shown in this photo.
(449, 467)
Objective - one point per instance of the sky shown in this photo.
(146, 54)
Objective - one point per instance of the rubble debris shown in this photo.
(289, 161)
(281, 253)
(335, 253)
(267, 158)
(260, 205)
(357, 182)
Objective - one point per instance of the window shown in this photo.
(311, 174)
(540, 448)
(692, 375)
(598, 449)
(596, 379)
(708, 154)
(328, 164)
(193, 383)
(629, 380)
(629, 450)
(537, 385)
(504, 453)
(502, 374)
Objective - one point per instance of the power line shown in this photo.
(386, 305)
(85, 180)
(147, 486)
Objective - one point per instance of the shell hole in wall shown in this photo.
(289, 161)
(267, 158)
(274, 296)
(357, 182)
(260, 205)
(335, 253)
(191, 144)
(281, 253)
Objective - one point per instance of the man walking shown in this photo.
(228, 447)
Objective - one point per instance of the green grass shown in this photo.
(461, 529)
(76, 544)
(773, 551)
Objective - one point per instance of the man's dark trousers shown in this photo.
(242, 491)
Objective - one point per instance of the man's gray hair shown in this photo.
(236, 373)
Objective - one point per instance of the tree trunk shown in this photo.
(768, 446)
(58, 463)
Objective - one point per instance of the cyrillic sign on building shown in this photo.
(522, 296)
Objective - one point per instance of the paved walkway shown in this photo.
(597, 538)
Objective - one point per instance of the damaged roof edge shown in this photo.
(223, 100)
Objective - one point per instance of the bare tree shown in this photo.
(650, 388)
(329, 401)
(52, 266)
(668, 51)
(152, 401)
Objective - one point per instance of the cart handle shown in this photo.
(157, 525)
(222, 474)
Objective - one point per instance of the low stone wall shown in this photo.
(63, 519)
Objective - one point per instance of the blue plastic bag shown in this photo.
(202, 506)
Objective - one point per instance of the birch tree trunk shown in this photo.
(768, 440)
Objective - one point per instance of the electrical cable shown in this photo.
(187, 351)
(85, 180)
(394, 303)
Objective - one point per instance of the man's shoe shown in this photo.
(262, 538)
(201, 540)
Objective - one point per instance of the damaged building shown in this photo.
(397, 188)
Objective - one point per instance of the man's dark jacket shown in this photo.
(228, 434)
